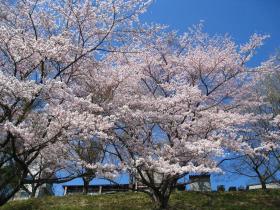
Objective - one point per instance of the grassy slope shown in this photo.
(137, 201)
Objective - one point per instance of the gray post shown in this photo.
(65, 190)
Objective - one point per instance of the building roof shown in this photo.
(200, 176)
(96, 185)
(273, 182)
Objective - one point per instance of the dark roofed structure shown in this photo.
(95, 189)
(200, 182)
(106, 188)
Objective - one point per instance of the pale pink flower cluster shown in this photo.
(156, 102)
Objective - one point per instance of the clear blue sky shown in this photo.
(238, 18)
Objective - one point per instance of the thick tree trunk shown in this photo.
(11, 190)
(164, 202)
(5, 197)
(161, 198)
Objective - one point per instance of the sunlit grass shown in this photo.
(255, 200)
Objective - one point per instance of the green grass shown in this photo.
(254, 200)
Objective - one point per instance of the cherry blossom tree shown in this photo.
(175, 108)
(44, 46)
(72, 71)
(262, 101)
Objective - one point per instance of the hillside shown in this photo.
(138, 201)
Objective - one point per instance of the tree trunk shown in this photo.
(263, 185)
(86, 186)
(32, 195)
(262, 181)
(5, 197)
(161, 198)
(33, 192)
(164, 202)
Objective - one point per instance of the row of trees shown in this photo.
(88, 91)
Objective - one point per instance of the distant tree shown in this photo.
(261, 167)
(270, 84)
(262, 100)
(271, 93)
